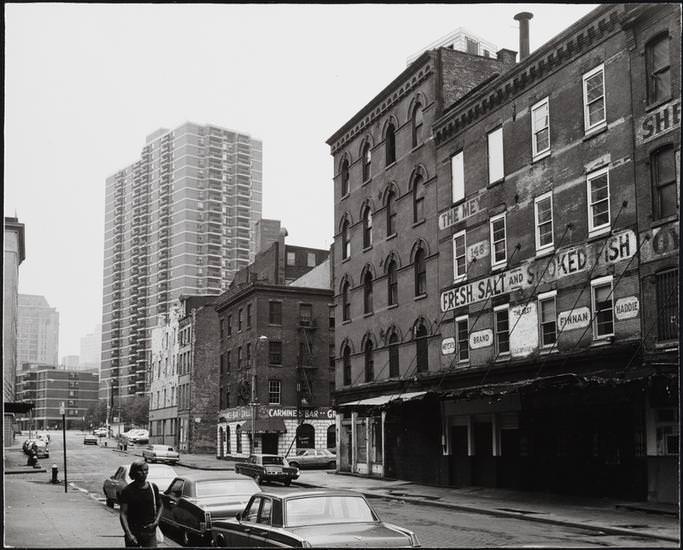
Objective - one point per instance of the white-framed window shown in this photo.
(457, 177)
(274, 387)
(498, 241)
(547, 319)
(495, 151)
(462, 338)
(603, 307)
(540, 129)
(501, 324)
(543, 223)
(291, 258)
(598, 200)
(459, 256)
(594, 112)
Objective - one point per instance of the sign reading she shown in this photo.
(659, 122)
(574, 319)
(565, 262)
(448, 346)
(664, 241)
(458, 213)
(481, 339)
(626, 308)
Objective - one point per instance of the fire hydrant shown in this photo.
(55, 470)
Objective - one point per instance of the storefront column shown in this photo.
(384, 447)
(368, 443)
(495, 442)
(353, 440)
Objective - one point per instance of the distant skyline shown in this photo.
(86, 83)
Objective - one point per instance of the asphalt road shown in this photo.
(89, 465)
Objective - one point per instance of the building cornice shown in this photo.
(252, 288)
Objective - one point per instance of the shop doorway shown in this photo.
(483, 467)
(269, 443)
(221, 439)
(305, 437)
(331, 437)
(460, 473)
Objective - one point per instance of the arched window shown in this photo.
(369, 362)
(366, 157)
(421, 348)
(420, 273)
(393, 355)
(367, 227)
(418, 199)
(391, 213)
(238, 438)
(390, 144)
(417, 123)
(331, 437)
(305, 437)
(346, 305)
(658, 61)
(345, 178)
(346, 239)
(392, 283)
(367, 292)
(227, 440)
(346, 366)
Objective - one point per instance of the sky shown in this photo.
(85, 84)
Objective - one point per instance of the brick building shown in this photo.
(275, 336)
(531, 363)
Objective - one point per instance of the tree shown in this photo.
(96, 414)
(135, 410)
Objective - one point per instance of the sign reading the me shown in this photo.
(459, 213)
(566, 261)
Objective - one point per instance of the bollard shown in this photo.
(55, 470)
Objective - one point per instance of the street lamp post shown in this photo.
(62, 411)
(259, 345)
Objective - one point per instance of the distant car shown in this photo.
(100, 432)
(267, 467)
(313, 458)
(44, 436)
(137, 436)
(160, 453)
(159, 474)
(89, 439)
(193, 501)
(41, 447)
(312, 518)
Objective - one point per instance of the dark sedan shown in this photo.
(305, 519)
(192, 502)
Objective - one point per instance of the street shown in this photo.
(89, 465)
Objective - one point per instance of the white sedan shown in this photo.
(160, 453)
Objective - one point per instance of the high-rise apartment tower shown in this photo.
(37, 332)
(179, 220)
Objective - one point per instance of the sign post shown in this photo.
(63, 413)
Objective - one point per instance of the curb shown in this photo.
(509, 515)
(26, 470)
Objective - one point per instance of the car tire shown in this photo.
(294, 465)
(332, 465)
(287, 482)
(185, 538)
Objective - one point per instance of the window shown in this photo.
(420, 273)
(418, 199)
(248, 315)
(658, 62)
(291, 258)
(227, 399)
(227, 360)
(390, 144)
(392, 284)
(663, 167)
(417, 124)
(366, 157)
(472, 46)
(393, 356)
(239, 320)
(239, 358)
(345, 178)
(594, 98)
(367, 227)
(462, 338)
(275, 313)
(543, 211)
(238, 439)
(310, 259)
(502, 325)
(667, 304)
(369, 362)
(274, 352)
(391, 213)
(305, 315)
(346, 305)
(547, 318)
(603, 318)
(346, 240)
(229, 325)
(274, 392)
(367, 292)
(540, 128)
(498, 241)
(459, 256)
(346, 366)
(457, 177)
(421, 349)
(598, 200)
(248, 356)
(495, 149)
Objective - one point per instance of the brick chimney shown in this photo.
(507, 57)
(523, 18)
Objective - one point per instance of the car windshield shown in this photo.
(318, 510)
(272, 460)
(227, 487)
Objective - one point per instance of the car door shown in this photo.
(111, 482)
(261, 531)
(247, 522)
(170, 500)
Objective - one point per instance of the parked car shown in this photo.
(266, 467)
(44, 436)
(313, 458)
(89, 439)
(311, 518)
(41, 447)
(137, 436)
(193, 501)
(100, 432)
(160, 453)
(159, 474)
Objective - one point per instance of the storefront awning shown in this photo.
(266, 425)
(17, 407)
(383, 399)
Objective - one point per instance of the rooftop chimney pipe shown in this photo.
(523, 19)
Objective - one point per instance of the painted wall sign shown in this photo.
(574, 319)
(477, 250)
(664, 241)
(659, 122)
(447, 346)
(458, 213)
(481, 339)
(523, 329)
(626, 308)
(264, 411)
(566, 261)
